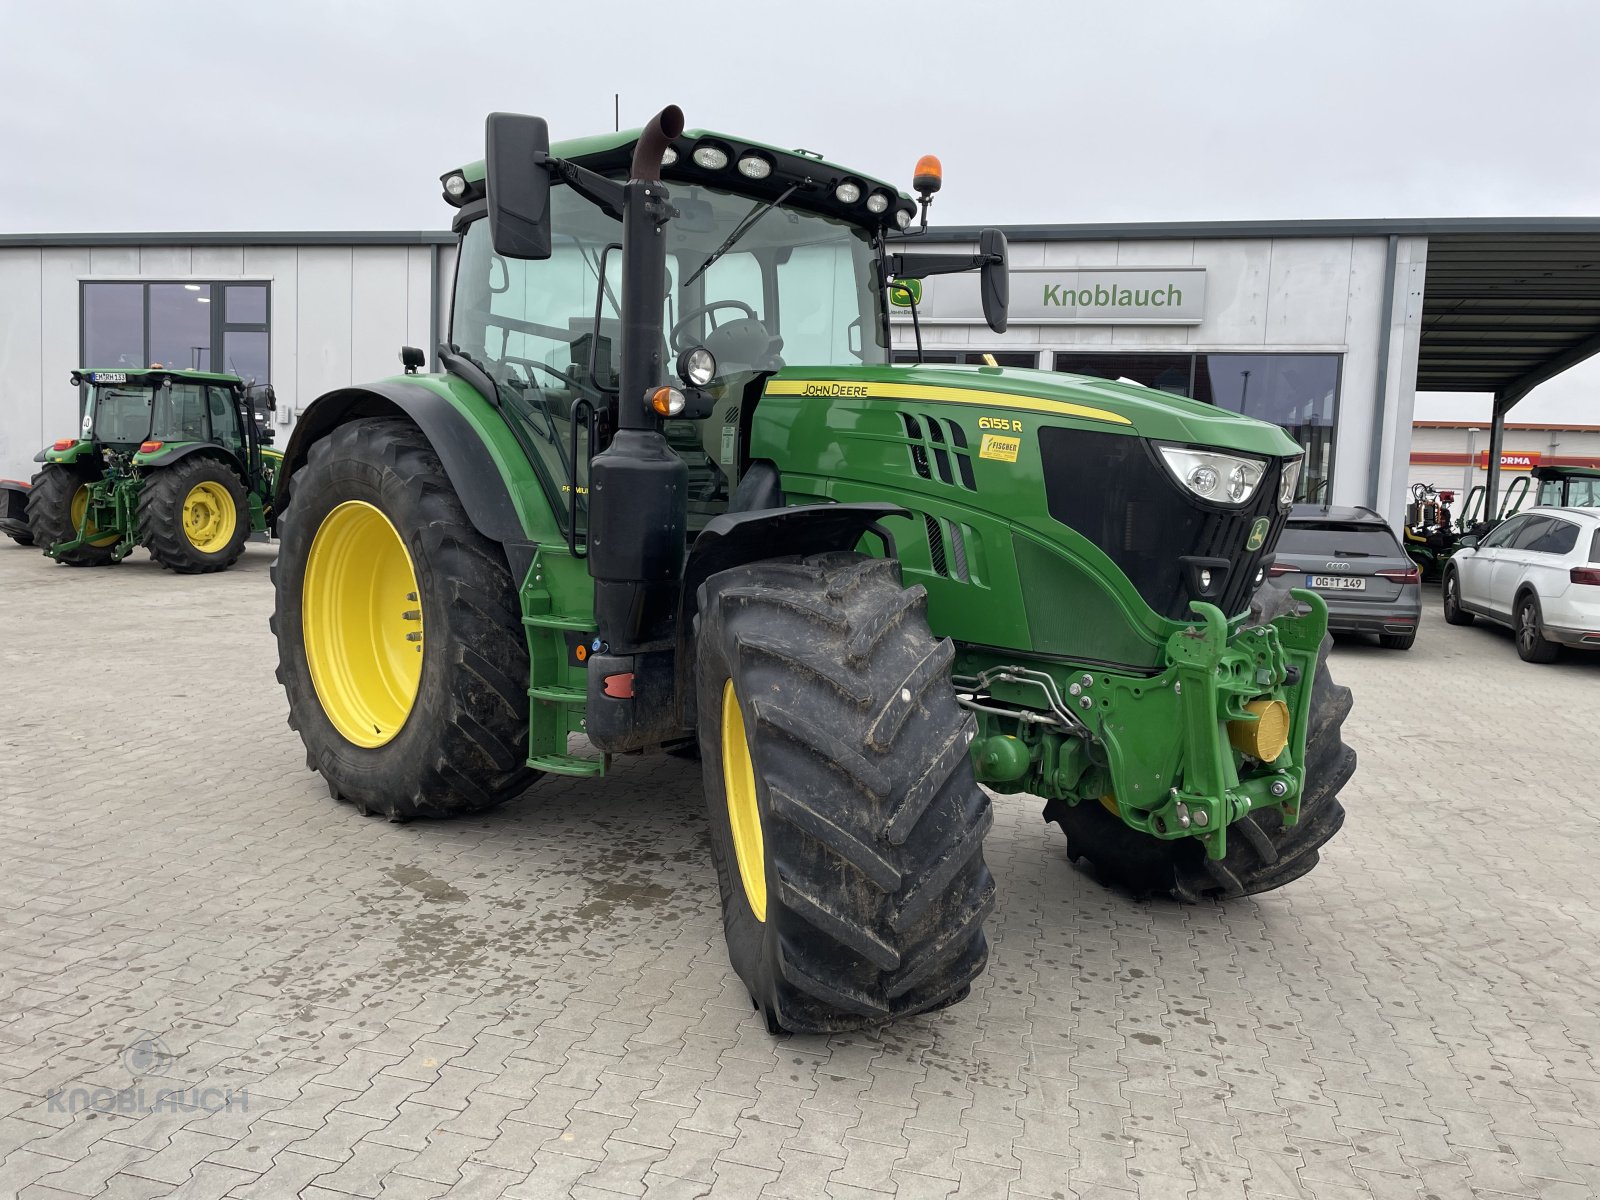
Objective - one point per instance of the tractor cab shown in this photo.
(1568, 487)
(773, 257)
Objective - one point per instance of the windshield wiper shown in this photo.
(739, 230)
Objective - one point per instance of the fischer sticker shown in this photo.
(1000, 449)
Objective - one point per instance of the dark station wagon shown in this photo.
(1352, 559)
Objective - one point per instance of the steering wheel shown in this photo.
(680, 330)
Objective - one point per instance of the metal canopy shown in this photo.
(1502, 313)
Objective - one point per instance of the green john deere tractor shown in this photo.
(173, 460)
(667, 491)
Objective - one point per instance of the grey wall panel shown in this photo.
(445, 285)
(322, 321)
(1236, 292)
(1080, 254)
(114, 260)
(59, 343)
(1358, 382)
(419, 298)
(217, 262)
(165, 261)
(1308, 289)
(380, 311)
(21, 399)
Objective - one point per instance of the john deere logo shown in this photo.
(1258, 534)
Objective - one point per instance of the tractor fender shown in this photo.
(483, 491)
(168, 458)
(736, 538)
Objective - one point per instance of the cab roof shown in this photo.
(152, 376)
(612, 153)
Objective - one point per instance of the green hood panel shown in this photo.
(1152, 414)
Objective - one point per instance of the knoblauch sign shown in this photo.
(1515, 460)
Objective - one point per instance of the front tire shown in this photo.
(846, 825)
(1532, 645)
(55, 505)
(1263, 853)
(194, 516)
(1454, 614)
(400, 641)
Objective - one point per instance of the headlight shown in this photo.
(1290, 478)
(456, 185)
(753, 166)
(697, 366)
(1219, 478)
(902, 217)
(847, 192)
(668, 157)
(667, 401)
(712, 158)
(877, 203)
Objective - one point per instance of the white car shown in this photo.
(1539, 573)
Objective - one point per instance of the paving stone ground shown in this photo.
(536, 1003)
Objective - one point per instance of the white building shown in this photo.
(306, 312)
(1327, 327)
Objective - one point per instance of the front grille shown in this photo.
(1115, 491)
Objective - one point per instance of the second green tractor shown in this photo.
(173, 460)
(668, 489)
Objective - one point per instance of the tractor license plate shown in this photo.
(1336, 583)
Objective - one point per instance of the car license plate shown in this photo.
(1337, 583)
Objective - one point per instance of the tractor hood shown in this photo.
(1010, 391)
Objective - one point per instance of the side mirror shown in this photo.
(1470, 540)
(994, 280)
(518, 185)
(412, 359)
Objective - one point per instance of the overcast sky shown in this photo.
(172, 115)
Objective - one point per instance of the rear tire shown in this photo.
(1397, 641)
(462, 745)
(185, 519)
(1263, 853)
(1454, 614)
(1532, 645)
(50, 516)
(871, 889)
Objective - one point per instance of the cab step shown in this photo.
(568, 764)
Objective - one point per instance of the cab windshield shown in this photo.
(176, 411)
(120, 414)
(794, 288)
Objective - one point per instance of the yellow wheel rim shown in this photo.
(80, 503)
(744, 818)
(209, 517)
(362, 624)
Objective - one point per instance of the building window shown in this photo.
(220, 327)
(973, 358)
(1297, 391)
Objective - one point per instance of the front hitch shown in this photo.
(1240, 709)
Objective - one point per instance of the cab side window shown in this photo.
(224, 421)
